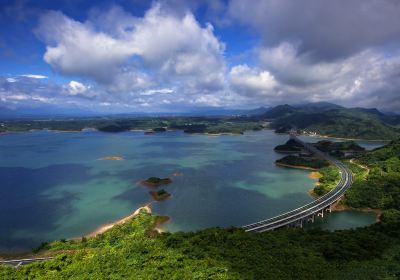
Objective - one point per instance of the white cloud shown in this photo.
(120, 50)
(157, 91)
(251, 81)
(133, 61)
(33, 76)
(75, 88)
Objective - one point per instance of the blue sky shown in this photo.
(176, 56)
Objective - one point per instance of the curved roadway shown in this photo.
(312, 208)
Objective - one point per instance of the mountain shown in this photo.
(337, 122)
(319, 106)
(257, 111)
(279, 111)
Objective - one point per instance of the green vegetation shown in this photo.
(328, 180)
(380, 187)
(329, 146)
(334, 121)
(135, 251)
(237, 125)
(160, 195)
(299, 161)
(155, 181)
(290, 146)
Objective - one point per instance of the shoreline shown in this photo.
(344, 138)
(296, 166)
(206, 133)
(340, 207)
(105, 227)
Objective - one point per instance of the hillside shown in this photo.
(134, 250)
(380, 188)
(338, 122)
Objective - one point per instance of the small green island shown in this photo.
(160, 195)
(156, 181)
(291, 146)
(302, 162)
(339, 149)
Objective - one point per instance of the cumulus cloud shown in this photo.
(309, 50)
(252, 81)
(368, 78)
(117, 49)
(325, 29)
(75, 88)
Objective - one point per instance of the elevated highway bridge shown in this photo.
(297, 217)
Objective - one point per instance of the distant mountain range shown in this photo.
(321, 118)
(333, 120)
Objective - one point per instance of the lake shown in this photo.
(54, 186)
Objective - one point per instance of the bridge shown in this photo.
(308, 212)
(19, 262)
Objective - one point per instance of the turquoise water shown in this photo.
(54, 185)
(344, 220)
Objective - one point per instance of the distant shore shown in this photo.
(343, 138)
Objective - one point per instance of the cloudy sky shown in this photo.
(176, 56)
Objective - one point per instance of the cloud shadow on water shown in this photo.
(26, 204)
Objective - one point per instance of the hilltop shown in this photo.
(333, 120)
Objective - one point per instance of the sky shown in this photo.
(178, 56)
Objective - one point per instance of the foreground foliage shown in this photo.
(134, 251)
(379, 187)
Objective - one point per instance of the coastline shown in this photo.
(339, 207)
(103, 228)
(296, 166)
(344, 138)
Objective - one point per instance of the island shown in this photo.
(291, 146)
(156, 182)
(302, 162)
(112, 158)
(160, 195)
(339, 149)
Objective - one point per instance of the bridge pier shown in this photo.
(329, 209)
(320, 213)
(311, 218)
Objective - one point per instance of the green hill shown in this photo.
(340, 122)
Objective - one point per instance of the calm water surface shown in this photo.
(54, 186)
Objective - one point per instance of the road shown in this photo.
(305, 212)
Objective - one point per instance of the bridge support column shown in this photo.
(321, 214)
(329, 209)
(311, 218)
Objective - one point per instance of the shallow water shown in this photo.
(344, 220)
(54, 185)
